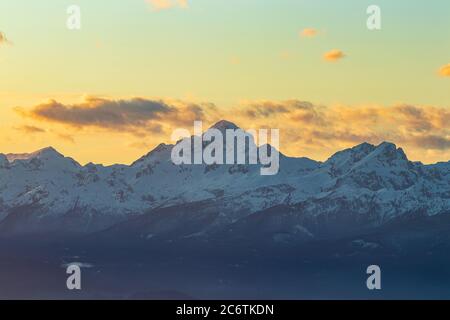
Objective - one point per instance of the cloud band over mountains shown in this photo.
(421, 126)
(306, 128)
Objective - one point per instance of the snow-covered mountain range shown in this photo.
(362, 187)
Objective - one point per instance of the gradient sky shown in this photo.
(235, 54)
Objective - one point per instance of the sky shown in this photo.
(137, 69)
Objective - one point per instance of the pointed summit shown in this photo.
(46, 153)
(224, 125)
(348, 157)
(159, 152)
(389, 151)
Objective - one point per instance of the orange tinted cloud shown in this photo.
(167, 4)
(318, 131)
(3, 39)
(445, 71)
(334, 55)
(101, 112)
(308, 33)
(136, 115)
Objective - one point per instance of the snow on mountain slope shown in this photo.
(45, 191)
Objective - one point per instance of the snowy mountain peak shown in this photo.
(389, 151)
(161, 150)
(364, 147)
(224, 125)
(45, 153)
(376, 183)
(350, 156)
(387, 145)
(386, 151)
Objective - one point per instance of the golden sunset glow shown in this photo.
(111, 91)
(445, 71)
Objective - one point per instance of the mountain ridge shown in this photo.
(363, 186)
(221, 125)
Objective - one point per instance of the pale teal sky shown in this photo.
(226, 52)
(124, 48)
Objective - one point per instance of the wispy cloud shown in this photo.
(309, 33)
(158, 5)
(28, 129)
(4, 39)
(445, 71)
(65, 137)
(334, 55)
